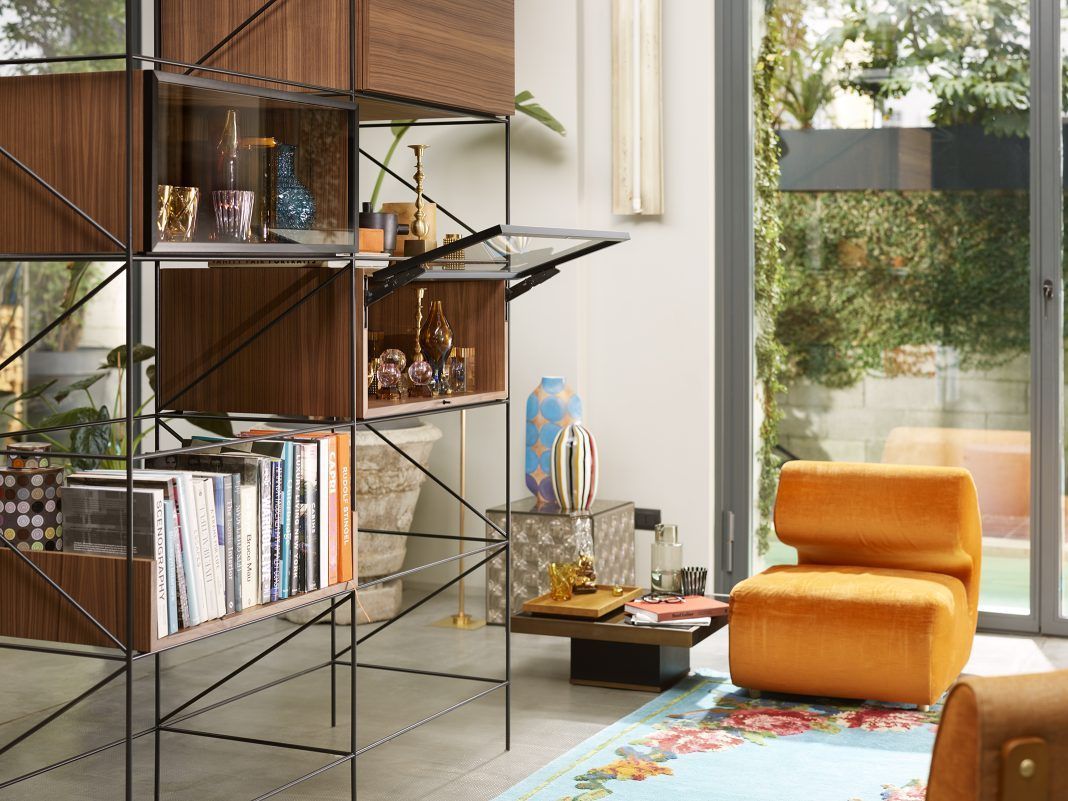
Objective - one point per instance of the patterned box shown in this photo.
(541, 536)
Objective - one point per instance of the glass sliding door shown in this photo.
(906, 212)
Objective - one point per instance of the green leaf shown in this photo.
(524, 103)
(71, 417)
(90, 438)
(150, 371)
(34, 392)
(400, 127)
(84, 383)
(117, 356)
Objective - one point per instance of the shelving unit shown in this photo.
(87, 192)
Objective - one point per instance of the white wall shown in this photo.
(630, 327)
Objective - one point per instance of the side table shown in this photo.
(541, 535)
(610, 652)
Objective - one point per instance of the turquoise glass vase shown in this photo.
(551, 407)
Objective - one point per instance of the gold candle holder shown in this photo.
(419, 244)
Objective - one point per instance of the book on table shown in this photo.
(692, 606)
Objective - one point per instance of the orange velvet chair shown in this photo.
(1003, 738)
(883, 602)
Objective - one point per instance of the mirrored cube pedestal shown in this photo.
(541, 535)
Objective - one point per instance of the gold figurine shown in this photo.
(585, 581)
(561, 574)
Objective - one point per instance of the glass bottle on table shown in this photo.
(666, 573)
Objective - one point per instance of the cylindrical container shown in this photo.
(31, 514)
(233, 214)
(666, 575)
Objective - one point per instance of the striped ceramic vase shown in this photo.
(575, 468)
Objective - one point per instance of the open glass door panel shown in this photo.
(516, 253)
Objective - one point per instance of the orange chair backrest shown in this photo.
(880, 515)
(1003, 738)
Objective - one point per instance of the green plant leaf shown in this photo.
(83, 383)
(150, 372)
(400, 127)
(117, 356)
(33, 392)
(525, 104)
(91, 439)
(70, 417)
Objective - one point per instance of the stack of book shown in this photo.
(229, 528)
(692, 610)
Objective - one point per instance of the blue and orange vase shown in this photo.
(551, 407)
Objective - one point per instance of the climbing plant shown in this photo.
(769, 274)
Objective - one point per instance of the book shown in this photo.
(686, 623)
(345, 529)
(207, 546)
(692, 606)
(96, 521)
(333, 512)
(170, 533)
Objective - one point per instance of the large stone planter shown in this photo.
(387, 490)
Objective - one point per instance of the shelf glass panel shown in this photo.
(292, 156)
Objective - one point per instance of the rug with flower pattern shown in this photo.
(706, 740)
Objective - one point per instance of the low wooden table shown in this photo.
(609, 652)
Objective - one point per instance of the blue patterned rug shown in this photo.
(706, 740)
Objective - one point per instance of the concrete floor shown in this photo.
(457, 757)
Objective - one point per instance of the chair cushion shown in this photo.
(850, 632)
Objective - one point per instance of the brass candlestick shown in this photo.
(418, 243)
(462, 620)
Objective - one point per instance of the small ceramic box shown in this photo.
(544, 535)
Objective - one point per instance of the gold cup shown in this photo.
(176, 212)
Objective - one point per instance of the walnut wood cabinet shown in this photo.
(452, 53)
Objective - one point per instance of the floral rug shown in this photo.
(706, 740)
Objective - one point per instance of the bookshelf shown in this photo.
(81, 164)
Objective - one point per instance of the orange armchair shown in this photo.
(1003, 739)
(883, 602)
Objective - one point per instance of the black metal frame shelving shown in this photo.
(386, 280)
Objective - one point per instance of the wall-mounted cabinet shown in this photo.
(293, 148)
(452, 53)
(304, 365)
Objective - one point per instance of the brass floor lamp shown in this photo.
(462, 620)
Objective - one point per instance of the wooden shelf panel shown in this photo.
(31, 609)
(249, 616)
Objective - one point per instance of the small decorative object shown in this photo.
(405, 213)
(389, 376)
(666, 574)
(561, 578)
(585, 580)
(421, 372)
(455, 256)
(257, 170)
(31, 516)
(372, 376)
(226, 167)
(694, 580)
(436, 339)
(420, 228)
(617, 590)
(551, 407)
(233, 214)
(456, 367)
(575, 468)
(294, 206)
(468, 355)
(176, 212)
(396, 357)
(386, 222)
